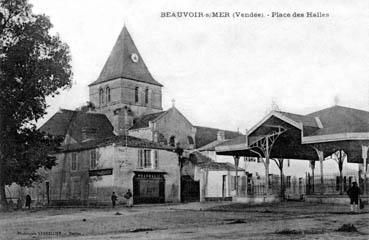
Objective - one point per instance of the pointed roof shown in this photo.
(125, 62)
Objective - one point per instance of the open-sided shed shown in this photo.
(312, 137)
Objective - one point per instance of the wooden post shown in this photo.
(365, 157)
(267, 161)
(312, 166)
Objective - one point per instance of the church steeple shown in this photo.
(125, 89)
(125, 62)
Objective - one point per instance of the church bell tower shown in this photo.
(125, 89)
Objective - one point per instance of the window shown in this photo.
(156, 159)
(288, 181)
(147, 158)
(108, 98)
(172, 141)
(190, 140)
(136, 95)
(74, 162)
(146, 96)
(101, 96)
(93, 163)
(234, 182)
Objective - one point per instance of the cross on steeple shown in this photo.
(173, 102)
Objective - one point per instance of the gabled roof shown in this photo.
(72, 122)
(206, 135)
(120, 140)
(143, 121)
(203, 161)
(309, 121)
(58, 124)
(121, 64)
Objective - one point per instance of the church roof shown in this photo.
(143, 121)
(206, 135)
(72, 122)
(125, 61)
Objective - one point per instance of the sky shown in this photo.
(224, 72)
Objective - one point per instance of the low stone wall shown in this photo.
(257, 199)
(218, 199)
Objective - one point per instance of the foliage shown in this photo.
(33, 65)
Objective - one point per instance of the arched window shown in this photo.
(172, 141)
(136, 95)
(190, 140)
(146, 96)
(108, 98)
(101, 96)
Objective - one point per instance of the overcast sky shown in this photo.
(224, 72)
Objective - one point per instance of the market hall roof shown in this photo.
(125, 61)
(327, 127)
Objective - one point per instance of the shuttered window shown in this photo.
(74, 162)
(147, 160)
(93, 163)
(156, 159)
(140, 157)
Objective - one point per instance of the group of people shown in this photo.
(353, 192)
(128, 196)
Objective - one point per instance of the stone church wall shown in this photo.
(174, 124)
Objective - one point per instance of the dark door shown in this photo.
(47, 192)
(224, 186)
(148, 188)
(190, 189)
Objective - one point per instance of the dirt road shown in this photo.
(291, 220)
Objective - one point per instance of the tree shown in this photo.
(339, 157)
(279, 162)
(33, 65)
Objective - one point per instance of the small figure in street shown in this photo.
(129, 198)
(28, 201)
(354, 192)
(114, 199)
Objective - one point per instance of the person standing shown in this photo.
(129, 198)
(114, 199)
(28, 201)
(354, 192)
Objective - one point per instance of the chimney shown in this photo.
(88, 133)
(221, 135)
